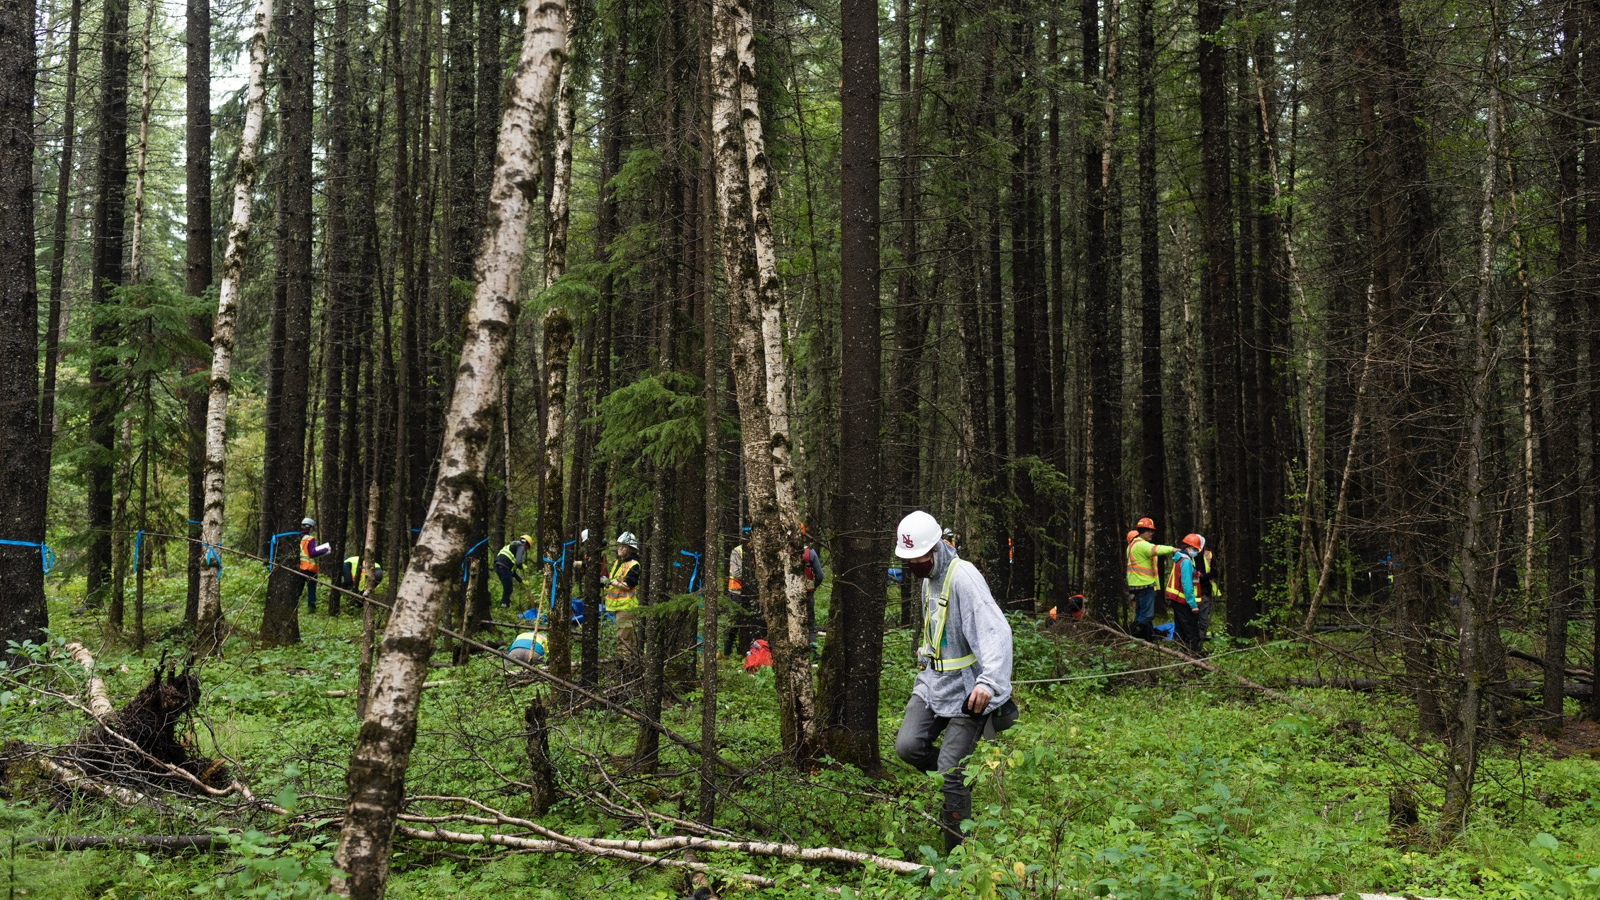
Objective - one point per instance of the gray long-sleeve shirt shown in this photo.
(973, 624)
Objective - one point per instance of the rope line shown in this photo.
(1176, 665)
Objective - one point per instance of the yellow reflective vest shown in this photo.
(1142, 562)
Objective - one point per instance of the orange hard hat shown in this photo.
(1132, 535)
(1195, 541)
(1145, 524)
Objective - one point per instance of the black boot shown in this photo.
(950, 824)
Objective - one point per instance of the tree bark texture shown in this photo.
(208, 621)
(111, 183)
(376, 779)
(23, 615)
(854, 650)
(760, 373)
(283, 479)
(198, 241)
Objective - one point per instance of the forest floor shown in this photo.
(1170, 783)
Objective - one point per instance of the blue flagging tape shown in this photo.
(47, 557)
(138, 542)
(694, 575)
(557, 565)
(272, 548)
(469, 556)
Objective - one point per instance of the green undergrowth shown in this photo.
(1169, 784)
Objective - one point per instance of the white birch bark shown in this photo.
(760, 370)
(376, 776)
(556, 211)
(208, 622)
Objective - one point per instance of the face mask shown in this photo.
(921, 569)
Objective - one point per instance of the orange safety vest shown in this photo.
(619, 596)
(307, 564)
(1175, 582)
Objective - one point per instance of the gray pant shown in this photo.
(914, 744)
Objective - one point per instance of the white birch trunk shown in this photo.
(760, 369)
(208, 622)
(555, 244)
(376, 779)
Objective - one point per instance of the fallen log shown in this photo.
(73, 842)
(690, 842)
(1523, 689)
(95, 691)
(1572, 671)
(344, 693)
(572, 845)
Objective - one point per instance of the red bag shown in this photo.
(759, 655)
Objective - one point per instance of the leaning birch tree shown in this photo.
(208, 621)
(744, 202)
(376, 777)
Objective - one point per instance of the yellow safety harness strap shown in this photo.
(934, 628)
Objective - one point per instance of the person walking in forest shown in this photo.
(622, 593)
(746, 627)
(964, 683)
(309, 551)
(1142, 576)
(1183, 589)
(508, 565)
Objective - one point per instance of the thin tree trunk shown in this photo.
(146, 99)
(339, 315)
(208, 622)
(1152, 472)
(369, 614)
(197, 258)
(58, 245)
(557, 353)
(111, 184)
(378, 762)
(1473, 607)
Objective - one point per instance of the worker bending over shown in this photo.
(508, 565)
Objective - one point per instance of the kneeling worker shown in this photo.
(965, 662)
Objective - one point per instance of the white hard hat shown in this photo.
(917, 534)
(584, 536)
(628, 538)
(308, 523)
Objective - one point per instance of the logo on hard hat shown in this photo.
(906, 538)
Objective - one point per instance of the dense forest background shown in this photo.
(1318, 281)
